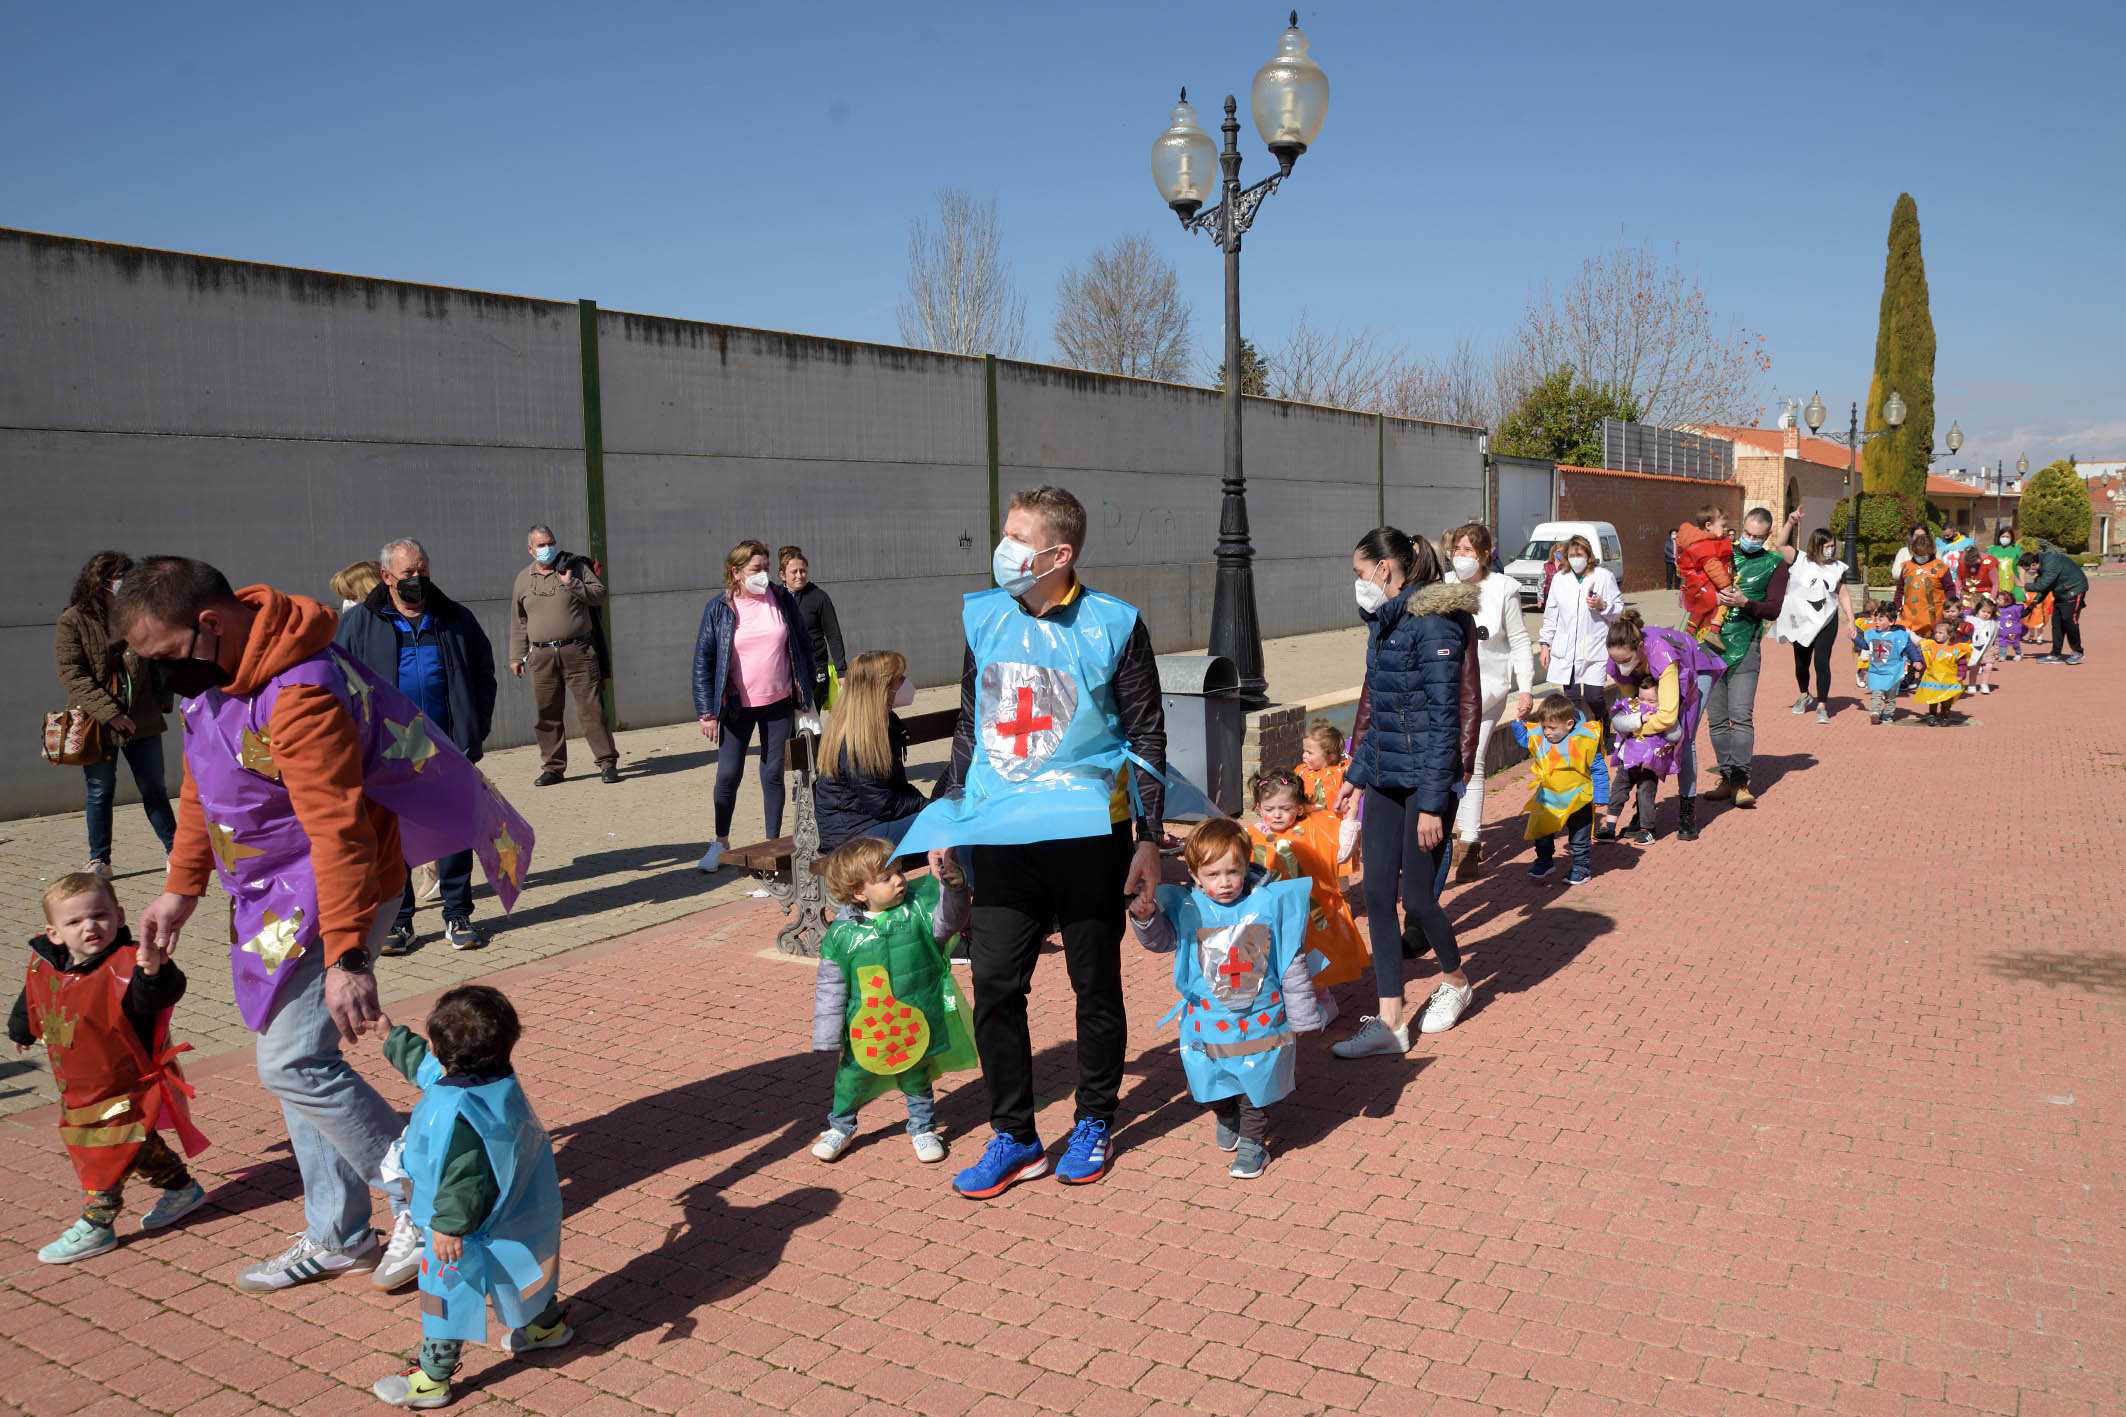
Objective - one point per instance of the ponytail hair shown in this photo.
(1628, 631)
(1412, 555)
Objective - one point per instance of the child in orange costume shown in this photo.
(1705, 560)
(1291, 840)
(1321, 773)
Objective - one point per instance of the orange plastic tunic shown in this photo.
(1309, 849)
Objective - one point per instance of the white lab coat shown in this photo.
(1579, 637)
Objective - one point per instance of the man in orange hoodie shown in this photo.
(304, 774)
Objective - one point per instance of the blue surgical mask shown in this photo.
(1751, 544)
(1012, 565)
(544, 555)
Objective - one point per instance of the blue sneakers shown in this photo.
(1004, 1163)
(1086, 1155)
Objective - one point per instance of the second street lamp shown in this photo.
(1893, 414)
(1290, 98)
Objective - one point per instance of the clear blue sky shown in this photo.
(759, 164)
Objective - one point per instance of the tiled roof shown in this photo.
(1773, 440)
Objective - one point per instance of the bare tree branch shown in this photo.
(1123, 313)
(960, 298)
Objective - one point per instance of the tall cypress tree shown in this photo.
(1904, 361)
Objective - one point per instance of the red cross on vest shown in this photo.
(1235, 969)
(1022, 728)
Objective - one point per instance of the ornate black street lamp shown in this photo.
(1290, 99)
(1893, 414)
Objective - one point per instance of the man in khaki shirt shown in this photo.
(553, 628)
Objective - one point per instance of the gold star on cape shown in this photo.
(356, 684)
(275, 943)
(506, 850)
(227, 849)
(410, 741)
(59, 1027)
(256, 754)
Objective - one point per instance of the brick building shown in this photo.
(2107, 513)
(1780, 469)
(1644, 507)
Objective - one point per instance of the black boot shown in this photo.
(1686, 819)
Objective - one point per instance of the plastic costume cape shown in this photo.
(1308, 853)
(1563, 772)
(444, 805)
(1629, 748)
(1739, 633)
(1048, 744)
(1941, 681)
(112, 1092)
(2010, 615)
(513, 1261)
(1229, 964)
(1886, 653)
(1925, 590)
(2004, 575)
(905, 1020)
(1664, 649)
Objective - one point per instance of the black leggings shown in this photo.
(776, 722)
(2066, 624)
(1818, 653)
(1395, 860)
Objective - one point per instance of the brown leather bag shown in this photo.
(72, 736)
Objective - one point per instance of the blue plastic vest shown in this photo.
(514, 1259)
(1048, 740)
(1229, 964)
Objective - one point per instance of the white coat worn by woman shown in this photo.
(1506, 660)
(1574, 647)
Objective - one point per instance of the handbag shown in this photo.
(72, 736)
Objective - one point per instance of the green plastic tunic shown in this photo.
(904, 1021)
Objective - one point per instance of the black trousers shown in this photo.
(2066, 624)
(1243, 1116)
(776, 722)
(1817, 653)
(1397, 865)
(1019, 891)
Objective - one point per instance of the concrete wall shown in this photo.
(1526, 492)
(281, 423)
(1644, 507)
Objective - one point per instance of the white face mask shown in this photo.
(1371, 595)
(756, 584)
(1466, 567)
(1012, 565)
(1578, 564)
(904, 695)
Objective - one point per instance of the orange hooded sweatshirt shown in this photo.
(354, 843)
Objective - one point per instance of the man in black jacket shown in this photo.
(411, 633)
(2053, 572)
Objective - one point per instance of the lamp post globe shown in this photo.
(1185, 161)
(1290, 97)
(2022, 465)
(1893, 410)
(1815, 413)
(1956, 437)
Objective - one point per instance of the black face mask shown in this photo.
(192, 676)
(413, 590)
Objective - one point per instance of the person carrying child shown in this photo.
(1885, 648)
(1242, 970)
(884, 997)
(1705, 560)
(102, 1006)
(1571, 783)
(1680, 671)
(1941, 674)
(1295, 840)
(1982, 625)
(484, 1191)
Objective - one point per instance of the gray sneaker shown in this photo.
(401, 1261)
(305, 1261)
(1823, 713)
(1801, 705)
(1373, 1037)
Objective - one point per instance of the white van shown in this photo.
(1526, 567)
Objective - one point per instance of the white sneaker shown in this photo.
(1373, 1037)
(832, 1144)
(1802, 704)
(305, 1261)
(402, 1256)
(711, 858)
(929, 1147)
(1446, 1007)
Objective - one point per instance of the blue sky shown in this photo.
(760, 164)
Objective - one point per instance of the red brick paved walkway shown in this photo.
(1820, 1113)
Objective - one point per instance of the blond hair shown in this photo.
(75, 883)
(739, 557)
(857, 726)
(1064, 513)
(356, 579)
(853, 863)
(1327, 737)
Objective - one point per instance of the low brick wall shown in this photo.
(1644, 507)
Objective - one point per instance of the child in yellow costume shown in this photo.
(1571, 783)
(1941, 675)
(1292, 839)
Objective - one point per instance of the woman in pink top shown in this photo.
(752, 667)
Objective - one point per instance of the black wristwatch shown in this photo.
(355, 961)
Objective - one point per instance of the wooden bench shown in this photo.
(791, 864)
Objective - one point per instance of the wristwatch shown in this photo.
(355, 961)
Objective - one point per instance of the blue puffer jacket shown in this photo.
(1424, 696)
(715, 662)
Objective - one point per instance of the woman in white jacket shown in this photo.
(1574, 648)
(1503, 657)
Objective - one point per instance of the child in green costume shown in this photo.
(885, 999)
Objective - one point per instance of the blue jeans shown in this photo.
(922, 1115)
(454, 874)
(1687, 760)
(1579, 838)
(144, 757)
(338, 1125)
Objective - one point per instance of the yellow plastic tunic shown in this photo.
(1564, 774)
(1941, 672)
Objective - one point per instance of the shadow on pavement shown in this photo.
(2092, 971)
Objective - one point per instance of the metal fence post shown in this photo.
(594, 485)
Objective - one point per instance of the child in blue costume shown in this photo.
(1571, 783)
(884, 998)
(484, 1192)
(1245, 978)
(1886, 647)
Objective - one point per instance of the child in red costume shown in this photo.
(102, 1007)
(1705, 560)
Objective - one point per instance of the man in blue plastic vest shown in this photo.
(1058, 700)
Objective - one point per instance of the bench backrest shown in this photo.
(938, 725)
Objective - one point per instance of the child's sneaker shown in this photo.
(1228, 1137)
(929, 1147)
(1086, 1155)
(1249, 1161)
(832, 1144)
(1578, 876)
(1004, 1162)
(532, 1336)
(82, 1240)
(1543, 866)
(414, 1389)
(174, 1206)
